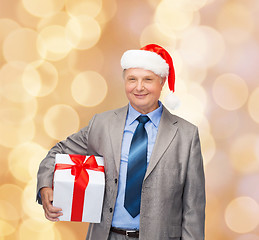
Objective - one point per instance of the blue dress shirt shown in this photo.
(121, 217)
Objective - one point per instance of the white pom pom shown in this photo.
(171, 101)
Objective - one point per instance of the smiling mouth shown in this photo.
(140, 95)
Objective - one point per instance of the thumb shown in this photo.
(50, 195)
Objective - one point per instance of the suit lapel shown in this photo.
(117, 125)
(165, 135)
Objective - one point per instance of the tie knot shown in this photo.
(143, 119)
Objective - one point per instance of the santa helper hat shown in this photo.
(156, 59)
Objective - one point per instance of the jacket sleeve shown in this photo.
(74, 144)
(194, 194)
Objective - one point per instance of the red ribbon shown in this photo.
(81, 181)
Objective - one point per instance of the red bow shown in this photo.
(81, 181)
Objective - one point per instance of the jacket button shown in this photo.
(110, 210)
(115, 180)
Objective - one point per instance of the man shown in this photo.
(153, 165)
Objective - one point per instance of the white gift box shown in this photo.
(64, 185)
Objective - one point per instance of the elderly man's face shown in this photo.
(143, 89)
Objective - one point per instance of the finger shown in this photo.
(52, 214)
(47, 202)
(50, 196)
(53, 219)
(53, 209)
(50, 207)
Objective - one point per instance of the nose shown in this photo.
(140, 85)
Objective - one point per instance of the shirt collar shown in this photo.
(154, 116)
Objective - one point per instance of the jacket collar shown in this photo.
(166, 132)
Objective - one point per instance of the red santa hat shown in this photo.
(156, 59)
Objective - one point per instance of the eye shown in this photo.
(131, 79)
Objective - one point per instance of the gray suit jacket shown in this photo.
(173, 191)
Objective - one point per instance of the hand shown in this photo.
(51, 213)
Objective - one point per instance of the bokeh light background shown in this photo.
(60, 64)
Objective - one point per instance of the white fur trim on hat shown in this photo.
(146, 60)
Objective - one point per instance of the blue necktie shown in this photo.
(137, 166)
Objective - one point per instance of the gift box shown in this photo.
(78, 187)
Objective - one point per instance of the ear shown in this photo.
(123, 73)
(163, 79)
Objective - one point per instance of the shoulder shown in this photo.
(177, 120)
(184, 127)
(184, 123)
(113, 112)
(107, 116)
